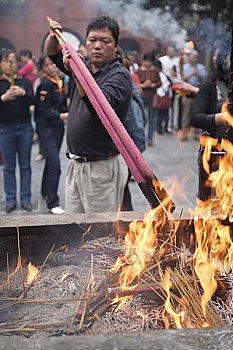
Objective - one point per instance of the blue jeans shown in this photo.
(16, 139)
(51, 139)
(148, 105)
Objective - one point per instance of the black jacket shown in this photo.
(86, 135)
(16, 111)
(49, 103)
(205, 108)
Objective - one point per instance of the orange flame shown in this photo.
(33, 273)
(179, 318)
(214, 246)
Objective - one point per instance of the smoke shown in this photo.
(141, 22)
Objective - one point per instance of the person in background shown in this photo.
(50, 113)
(156, 53)
(170, 66)
(38, 74)
(149, 81)
(16, 96)
(28, 65)
(162, 113)
(194, 73)
(206, 113)
(135, 125)
(82, 48)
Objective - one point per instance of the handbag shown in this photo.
(162, 102)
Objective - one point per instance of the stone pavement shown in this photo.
(167, 158)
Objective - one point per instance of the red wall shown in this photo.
(28, 29)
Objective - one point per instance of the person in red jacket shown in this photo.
(150, 81)
(28, 65)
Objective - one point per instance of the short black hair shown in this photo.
(25, 52)
(148, 56)
(42, 60)
(6, 52)
(104, 22)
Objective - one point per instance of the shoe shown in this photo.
(27, 207)
(150, 144)
(57, 210)
(10, 208)
(39, 157)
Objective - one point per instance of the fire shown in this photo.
(189, 46)
(33, 273)
(178, 318)
(214, 247)
(121, 301)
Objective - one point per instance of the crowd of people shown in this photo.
(169, 93)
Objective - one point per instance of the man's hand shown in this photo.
(66, 57)
(53, 26)
(64, 116)
(52, 46)
(12, 93)
(221, 119)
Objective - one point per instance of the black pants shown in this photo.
(51, 139)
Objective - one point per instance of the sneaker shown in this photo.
(57, 210)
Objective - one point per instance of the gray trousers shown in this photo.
(97, 186)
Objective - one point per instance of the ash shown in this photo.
(47, 307)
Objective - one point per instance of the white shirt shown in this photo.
(167, 66)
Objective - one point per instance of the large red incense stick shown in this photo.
(133, 157)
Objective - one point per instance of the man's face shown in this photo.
(170, 52)
(101, 47)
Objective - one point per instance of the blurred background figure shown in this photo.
(207, 115)
(50, 113)
(170, 66)
(162, 102)
(27, 70)
(82, 48)
(16, 96)
(194, 73)
(149, 82)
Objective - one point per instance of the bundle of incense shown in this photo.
(12, 73)
(146, 179)
(112, 292)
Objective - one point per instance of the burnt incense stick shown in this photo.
(130, 289)
(20, 261)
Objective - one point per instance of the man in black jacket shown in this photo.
(96, 174)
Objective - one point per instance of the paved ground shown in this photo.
(168, 158)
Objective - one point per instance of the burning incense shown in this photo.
(12, 73)
(131, 289)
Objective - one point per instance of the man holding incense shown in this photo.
(97, 173)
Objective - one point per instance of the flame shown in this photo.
(189, 46)
(179, 318)
(33, 273)
(214, 247)
(121, 301)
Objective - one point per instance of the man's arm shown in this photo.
(52, 46)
